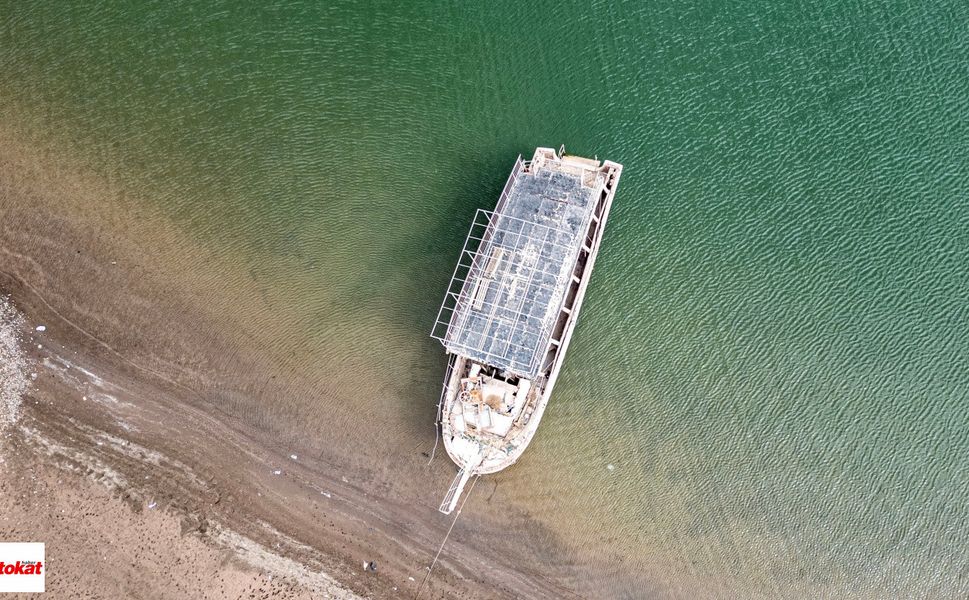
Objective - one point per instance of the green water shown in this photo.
(775, 347)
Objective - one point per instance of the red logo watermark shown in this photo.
(23, 567)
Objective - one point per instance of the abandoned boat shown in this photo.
(512, 304)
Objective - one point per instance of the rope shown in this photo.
(440, 407)
(446, 536)
(437, 431)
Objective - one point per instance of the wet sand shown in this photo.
(127, 429)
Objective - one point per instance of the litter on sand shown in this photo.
(41, 328)
(278, 472)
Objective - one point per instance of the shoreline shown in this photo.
(88, 420)
(132, 377)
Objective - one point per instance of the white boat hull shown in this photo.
(486, 432)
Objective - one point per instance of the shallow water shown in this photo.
(774, 349)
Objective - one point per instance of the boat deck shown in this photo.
(514, 271)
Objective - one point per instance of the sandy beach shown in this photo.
(118, 456)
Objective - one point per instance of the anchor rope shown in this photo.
(446, 536)
(437, 432)
(440, 408)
